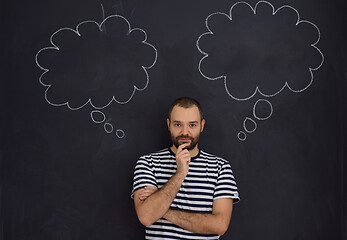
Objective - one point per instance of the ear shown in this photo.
(168, 123)
(202, 124)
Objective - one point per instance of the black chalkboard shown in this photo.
(85, 88)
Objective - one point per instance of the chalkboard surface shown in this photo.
(85, 88)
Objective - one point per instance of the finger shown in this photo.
(142, 198)
(151, 187)
(140, 191)
(184, 154)
(149, 190)
(180, 147)
(146, 195)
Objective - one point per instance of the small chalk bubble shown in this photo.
(97, 116)
(241, 136)
(249, 125)
(262, 109)
(120, 133)
(108, 127)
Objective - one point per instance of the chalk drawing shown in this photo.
(97, 114)
(259, 50)
(108, 127)
(250, 122)
(120, 133)
(77, 32)
(263, 102)
(99, 117)
(259, 105)
(242, 136)
(89, 65)
(217, 38)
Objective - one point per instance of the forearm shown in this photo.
(157, 204)
(198, 223)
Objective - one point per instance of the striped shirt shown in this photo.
(209, 178)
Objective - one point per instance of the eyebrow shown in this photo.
(176, 121)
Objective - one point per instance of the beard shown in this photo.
(193, 141)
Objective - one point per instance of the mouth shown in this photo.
(184, 139)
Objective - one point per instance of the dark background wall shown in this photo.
(66, 169)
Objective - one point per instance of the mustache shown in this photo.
(184, 136)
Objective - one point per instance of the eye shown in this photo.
(177, 124)
(192, 125)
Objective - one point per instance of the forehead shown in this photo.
(185, 114)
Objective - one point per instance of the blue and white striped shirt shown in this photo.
(209, 178)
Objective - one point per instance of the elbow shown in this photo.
(221, 233)
(146, 215)
(146, 220)
(222, 229)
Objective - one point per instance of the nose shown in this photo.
(185, 130)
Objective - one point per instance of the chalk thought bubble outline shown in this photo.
(108, 127)
(55, 47)
(257, 90)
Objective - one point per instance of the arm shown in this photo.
(215, 223)
(157, 204)
(154, 207)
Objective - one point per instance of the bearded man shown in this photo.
(182, 192)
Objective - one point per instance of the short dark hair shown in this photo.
(186, 102)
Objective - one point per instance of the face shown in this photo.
(185, 126)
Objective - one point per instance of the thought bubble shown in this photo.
(99, 117)
(259, 50)
(249, 125)
(108, 127)
(96, 64)
(262, 110)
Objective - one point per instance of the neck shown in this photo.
(193, 153)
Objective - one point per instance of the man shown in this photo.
(183, 192)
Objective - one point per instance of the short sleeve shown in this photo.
(143, 175)
(226, 185)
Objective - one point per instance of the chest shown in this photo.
(197, 190)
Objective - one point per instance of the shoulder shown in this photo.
(213, 157)
(221, 163)
(164, 153)
(156, 154)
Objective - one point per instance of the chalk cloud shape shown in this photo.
(259, 50)
(96, 64)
